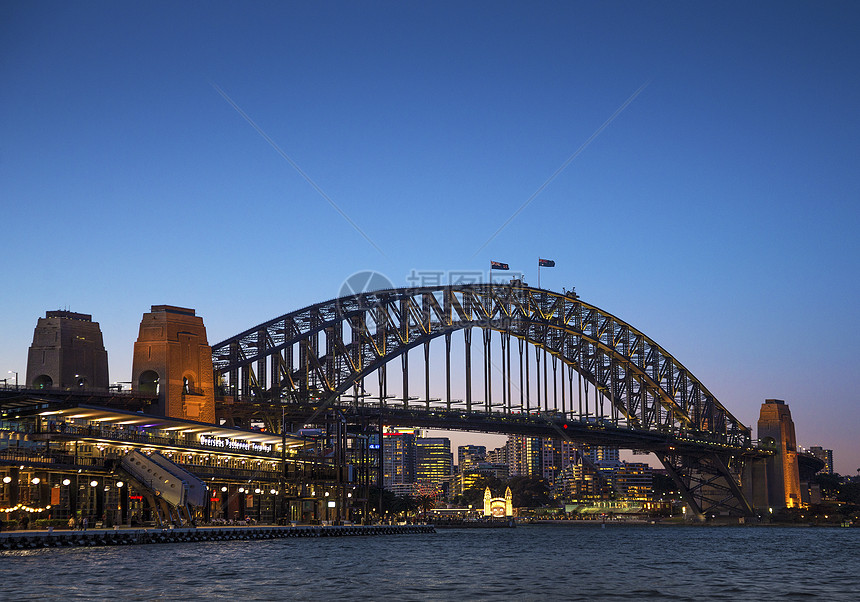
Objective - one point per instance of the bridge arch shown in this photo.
(646, 387)
(324, 350)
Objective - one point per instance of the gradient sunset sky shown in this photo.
(695, 163)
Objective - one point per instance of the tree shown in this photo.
(425, 503)
(662, 485)
(474, 495)
(530, 492)
(830, 484)
(849, 493)
(388, 500)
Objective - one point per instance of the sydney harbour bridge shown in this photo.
(550, 365)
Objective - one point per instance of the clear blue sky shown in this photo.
(718, 212)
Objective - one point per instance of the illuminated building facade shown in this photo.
(66, 437)
(434, 462)
(398, 459)
(63, 460)
(498, 455)
(556, 454)
(524, 455)
(468, 454)
(500, 507)
(600, 453)
(576, 483)
(633, 480)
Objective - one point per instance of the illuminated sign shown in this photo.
(234, 444)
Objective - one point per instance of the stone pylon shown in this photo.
(173, 359)
(67, 353)
(781, 472)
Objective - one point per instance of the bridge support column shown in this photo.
(781, 480)
(708, 482)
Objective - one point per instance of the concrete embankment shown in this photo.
(25, 540)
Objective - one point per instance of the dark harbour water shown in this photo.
(527, 563)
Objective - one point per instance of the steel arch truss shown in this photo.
(708, 482)
(326, 349)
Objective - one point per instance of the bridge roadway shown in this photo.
(536, 424)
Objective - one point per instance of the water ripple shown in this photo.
(526, 563)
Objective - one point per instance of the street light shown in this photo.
(66, 482)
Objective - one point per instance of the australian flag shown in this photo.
(546, 263)
(496, 265)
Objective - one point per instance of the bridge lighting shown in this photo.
(119, 484)
(36, 480)
(66, 482)
(94, 483)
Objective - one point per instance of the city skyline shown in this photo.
(692, 171)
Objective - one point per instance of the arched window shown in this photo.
(43, 381)
(148, 382)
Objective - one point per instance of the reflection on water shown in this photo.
(529, 562)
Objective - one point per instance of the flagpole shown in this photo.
(538, 272)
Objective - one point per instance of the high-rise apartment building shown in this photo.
(498, 455)
(825, 455)
(524, 456)
(398, 458)
(434, 462)
(467, 454)
(632, 480)
(556, 455)
(600, 453)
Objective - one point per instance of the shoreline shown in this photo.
(26, 540)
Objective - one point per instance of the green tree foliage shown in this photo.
(530, 492)
(662, 484)
(474, 495)
(849, 493)
(830, 484)
(388, 500)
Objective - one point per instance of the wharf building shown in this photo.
(66, 437)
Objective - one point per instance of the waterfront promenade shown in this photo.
(32, 539)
